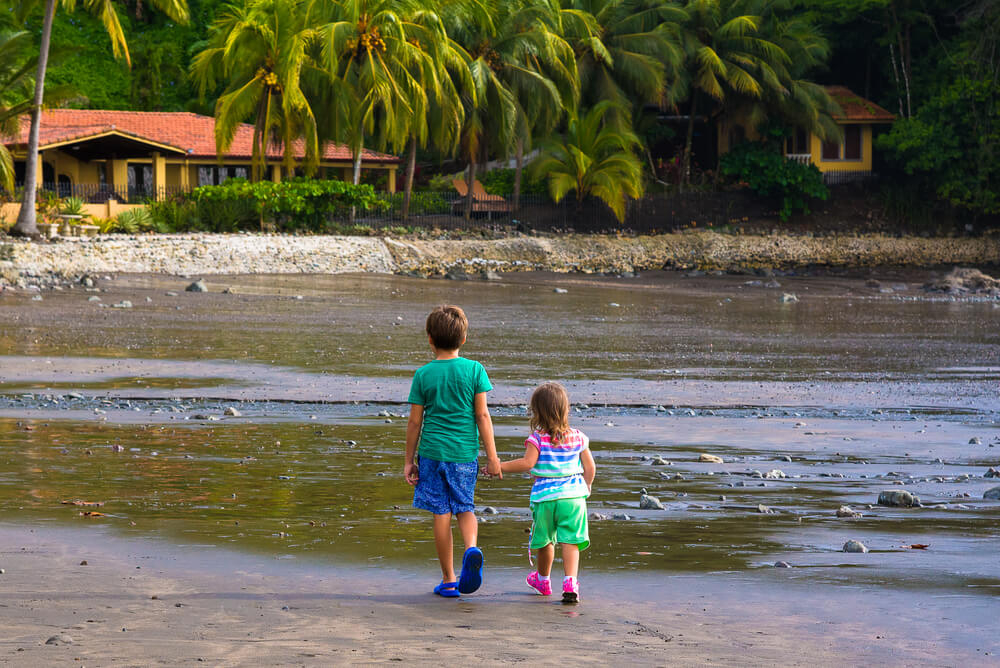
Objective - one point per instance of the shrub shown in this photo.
(72, 206)
(291, 205)
(501, 182)
(770, 174)
(175, 214)
(133, 221)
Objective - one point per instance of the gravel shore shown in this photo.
(23, 262)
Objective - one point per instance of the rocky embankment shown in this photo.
(23, 262)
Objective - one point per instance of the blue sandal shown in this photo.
(472, 571)
(447, 589)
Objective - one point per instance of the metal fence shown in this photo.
(98, 193)
(653, 213)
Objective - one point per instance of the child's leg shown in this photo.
(468, 525)
(571, 559)
(445, 549)
(546, 555)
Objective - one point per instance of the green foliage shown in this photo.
(297, 204)
(71, 206)
(952, 146)
(501, 182)
(422, 203)
(134, 221)
(175, 214)
(594, 159)
(769, 174)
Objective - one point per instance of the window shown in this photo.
(214, 176)
(849, 150)
(831, 150)
(852, 142)
(797, 143)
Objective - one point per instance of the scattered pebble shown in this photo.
(60, 639)
(782, 564)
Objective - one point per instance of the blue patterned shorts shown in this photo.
(446, 487)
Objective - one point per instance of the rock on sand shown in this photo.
(855, 546)
(711, 459)
(898, 499)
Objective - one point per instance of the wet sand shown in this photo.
(147, 603)
(889, 389)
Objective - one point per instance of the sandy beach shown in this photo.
(144, 603)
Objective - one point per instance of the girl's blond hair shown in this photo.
(550, 410)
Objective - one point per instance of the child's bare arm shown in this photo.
(524, 464)
(410, 469)
(485, 424)
(589, 467)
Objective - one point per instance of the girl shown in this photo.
(560, 460)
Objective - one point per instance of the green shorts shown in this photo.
(560, 521)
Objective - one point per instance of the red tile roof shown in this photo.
(192, 134)
(857, 108)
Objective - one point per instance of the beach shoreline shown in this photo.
(24, 263)
(145, 602)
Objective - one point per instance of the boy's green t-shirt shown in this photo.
(447, 389)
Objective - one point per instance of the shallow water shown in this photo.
(862, 392)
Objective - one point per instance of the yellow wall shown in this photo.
(863, 165)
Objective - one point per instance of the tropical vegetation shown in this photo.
(595, 94)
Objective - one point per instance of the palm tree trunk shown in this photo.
(356, 179)
(27, 224)
(686, 162)
(411, 167)
(518, 168)
(470, 179)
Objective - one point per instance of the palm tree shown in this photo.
(448, 74)
(106, 10)
(594, 159)
(372, 53)
(635, 55)
(261, 50)
(15, 95)
(523, 73)
(726, 54)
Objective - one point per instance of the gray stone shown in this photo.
(659, 461)
(490, 510)
(232, 412)
(60, 639)
(123, 304)
(456, 276)
(975, 440)
(87, 282)
(624, 517)
(786, 458)
(782, 564)
(789, 298)
(93, 298)
(898, 499)
(855, 546)
(764, 510)
(598, 517)
(560, 291)
(197, 286)
(772, 284)
(490, 275)
(847, 511)
(775, 474)
(171, 294)
(711, 459)
(994, 472)
(647, 502)
(200, 416)
(993, 493)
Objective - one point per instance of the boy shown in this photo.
(448, 416)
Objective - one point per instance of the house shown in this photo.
(99, 155)
(844, 159)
